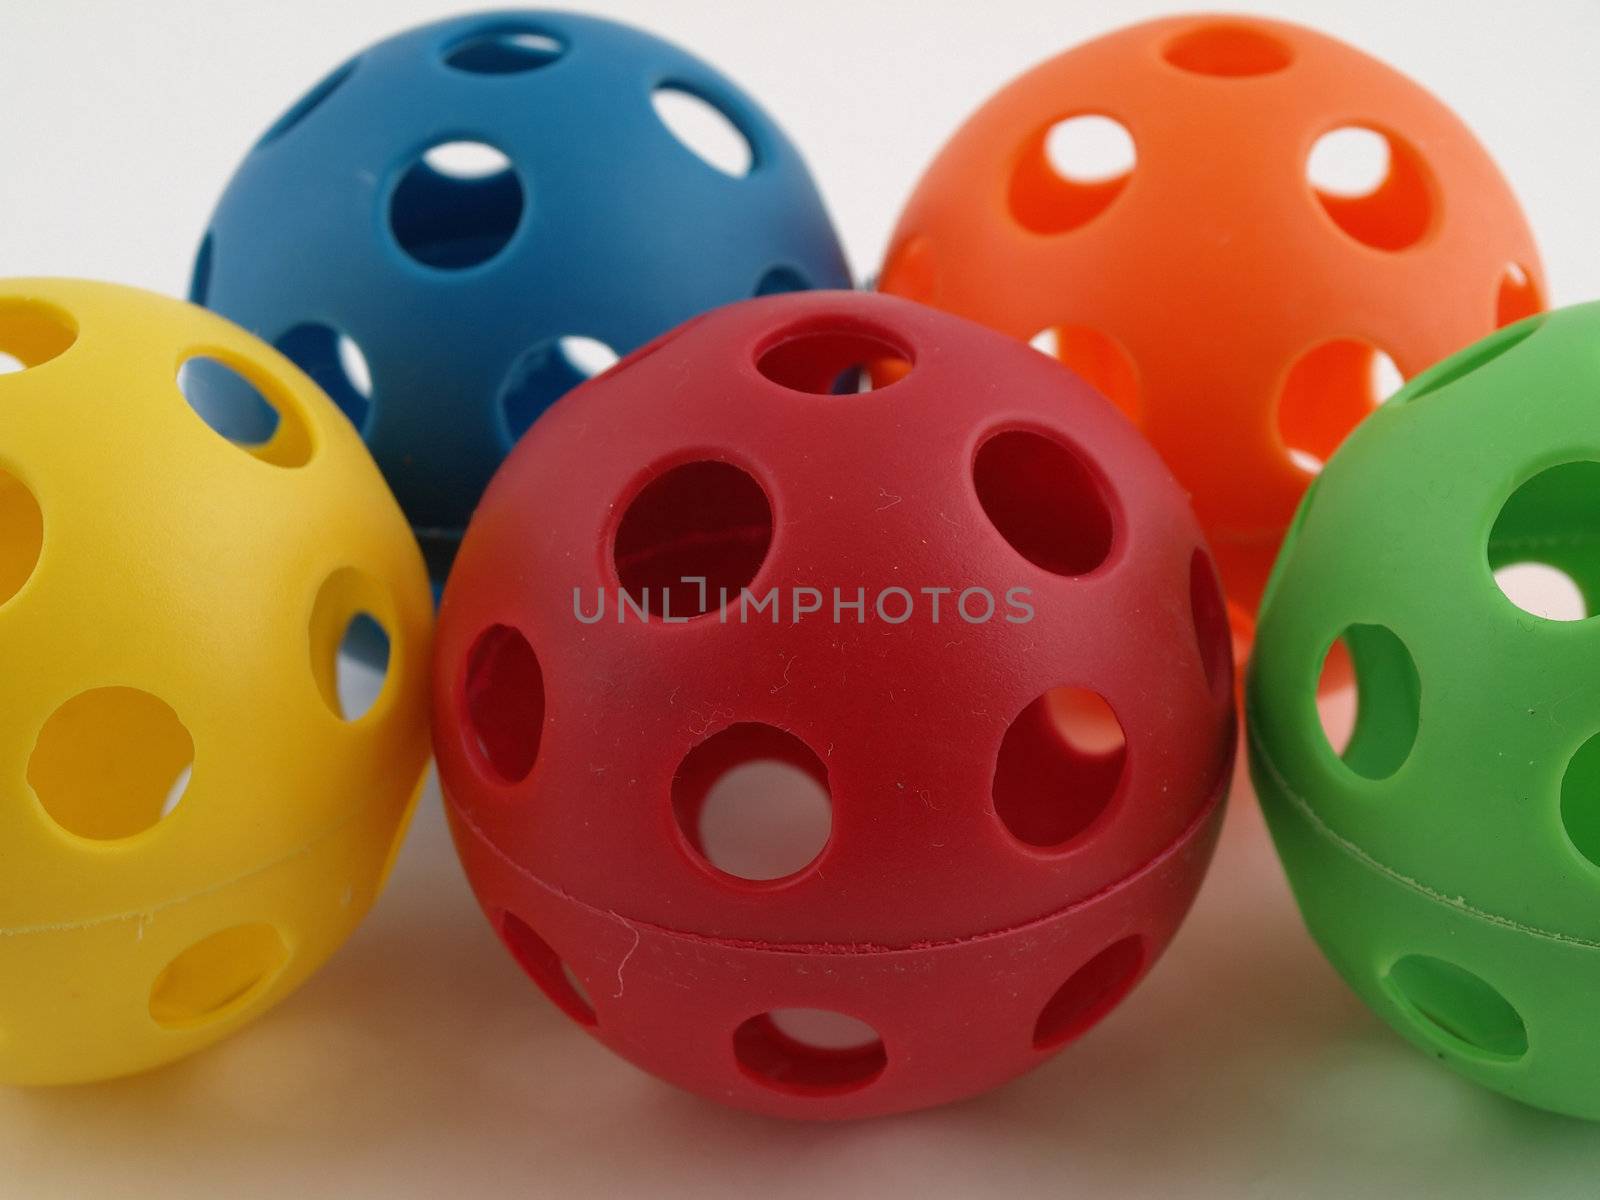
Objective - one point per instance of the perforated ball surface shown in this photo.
(194, 813)
(1447, 854)
(1003, 805)
(1241, 230)
(462, 221)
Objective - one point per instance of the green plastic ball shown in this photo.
(1448, 860)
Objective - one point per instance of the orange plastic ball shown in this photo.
(1233, 302)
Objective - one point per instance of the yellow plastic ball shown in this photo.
(190, 823)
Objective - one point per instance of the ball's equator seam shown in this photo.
(1195, 828)
(326, 834)
(1354, 851)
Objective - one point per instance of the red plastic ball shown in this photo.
(1024, 785)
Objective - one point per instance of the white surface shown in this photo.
(420, 1062)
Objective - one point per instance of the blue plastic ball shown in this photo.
(465, 220)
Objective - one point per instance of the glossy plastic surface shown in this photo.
(1229, 305)
(1448, 859)
(190, 823)
(982, 853)
(458, 199)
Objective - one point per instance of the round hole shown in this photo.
(31, 333)
(237, 409)
(107, 761)
(1098, 359)
(1328, 392)
(349, 644)
(217, 976)
(753, 802)
(504, 50)
(21, 535)
(336, 364)
(1388, 702)
(703, 520)
(1230, 51)
(1580, 800)
(544, 373)
(1061, 763)
(1517, 297)
(1089, 993)
(1374, 186)
(200, 276)
(772, 1057)
(780, 280)
(1474, 358)
(1045, 501)
(1457, 1009)
(1071, 172)
(831, 362)
(1211, 629)
(704, 130)
(1537, 547)
(456, 206)
(504, 702)
(546, 968)
(308, 103)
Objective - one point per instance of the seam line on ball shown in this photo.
(143, 915)
(1458, 903)
(1177, 846)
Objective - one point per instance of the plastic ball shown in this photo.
(1004, 804)
(464, 220)
(1240, 230)
(1448, 857)
(193, 819)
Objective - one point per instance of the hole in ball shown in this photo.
(772, 1057)
(753, 802)
(1045, 501)
(457, 205)
(1060, 765)
(1229, 50)
(1456, 1009)
(1070, 172)
(546, 968)
(704, 129)
(21, 535)
(1373, 185)
(503, 701)
(108, 762)
(706, 520)
(1089, 993)
(217, 976)
(1376, 740)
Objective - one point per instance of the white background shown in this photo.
(420, 1062)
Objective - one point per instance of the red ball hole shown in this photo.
(704, 520)
(545, 967)
(504, 701)
(826, 362)
(776, 1058)
(753, 802)
(1092, 991)
(1045, 501)
(1060, 765)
